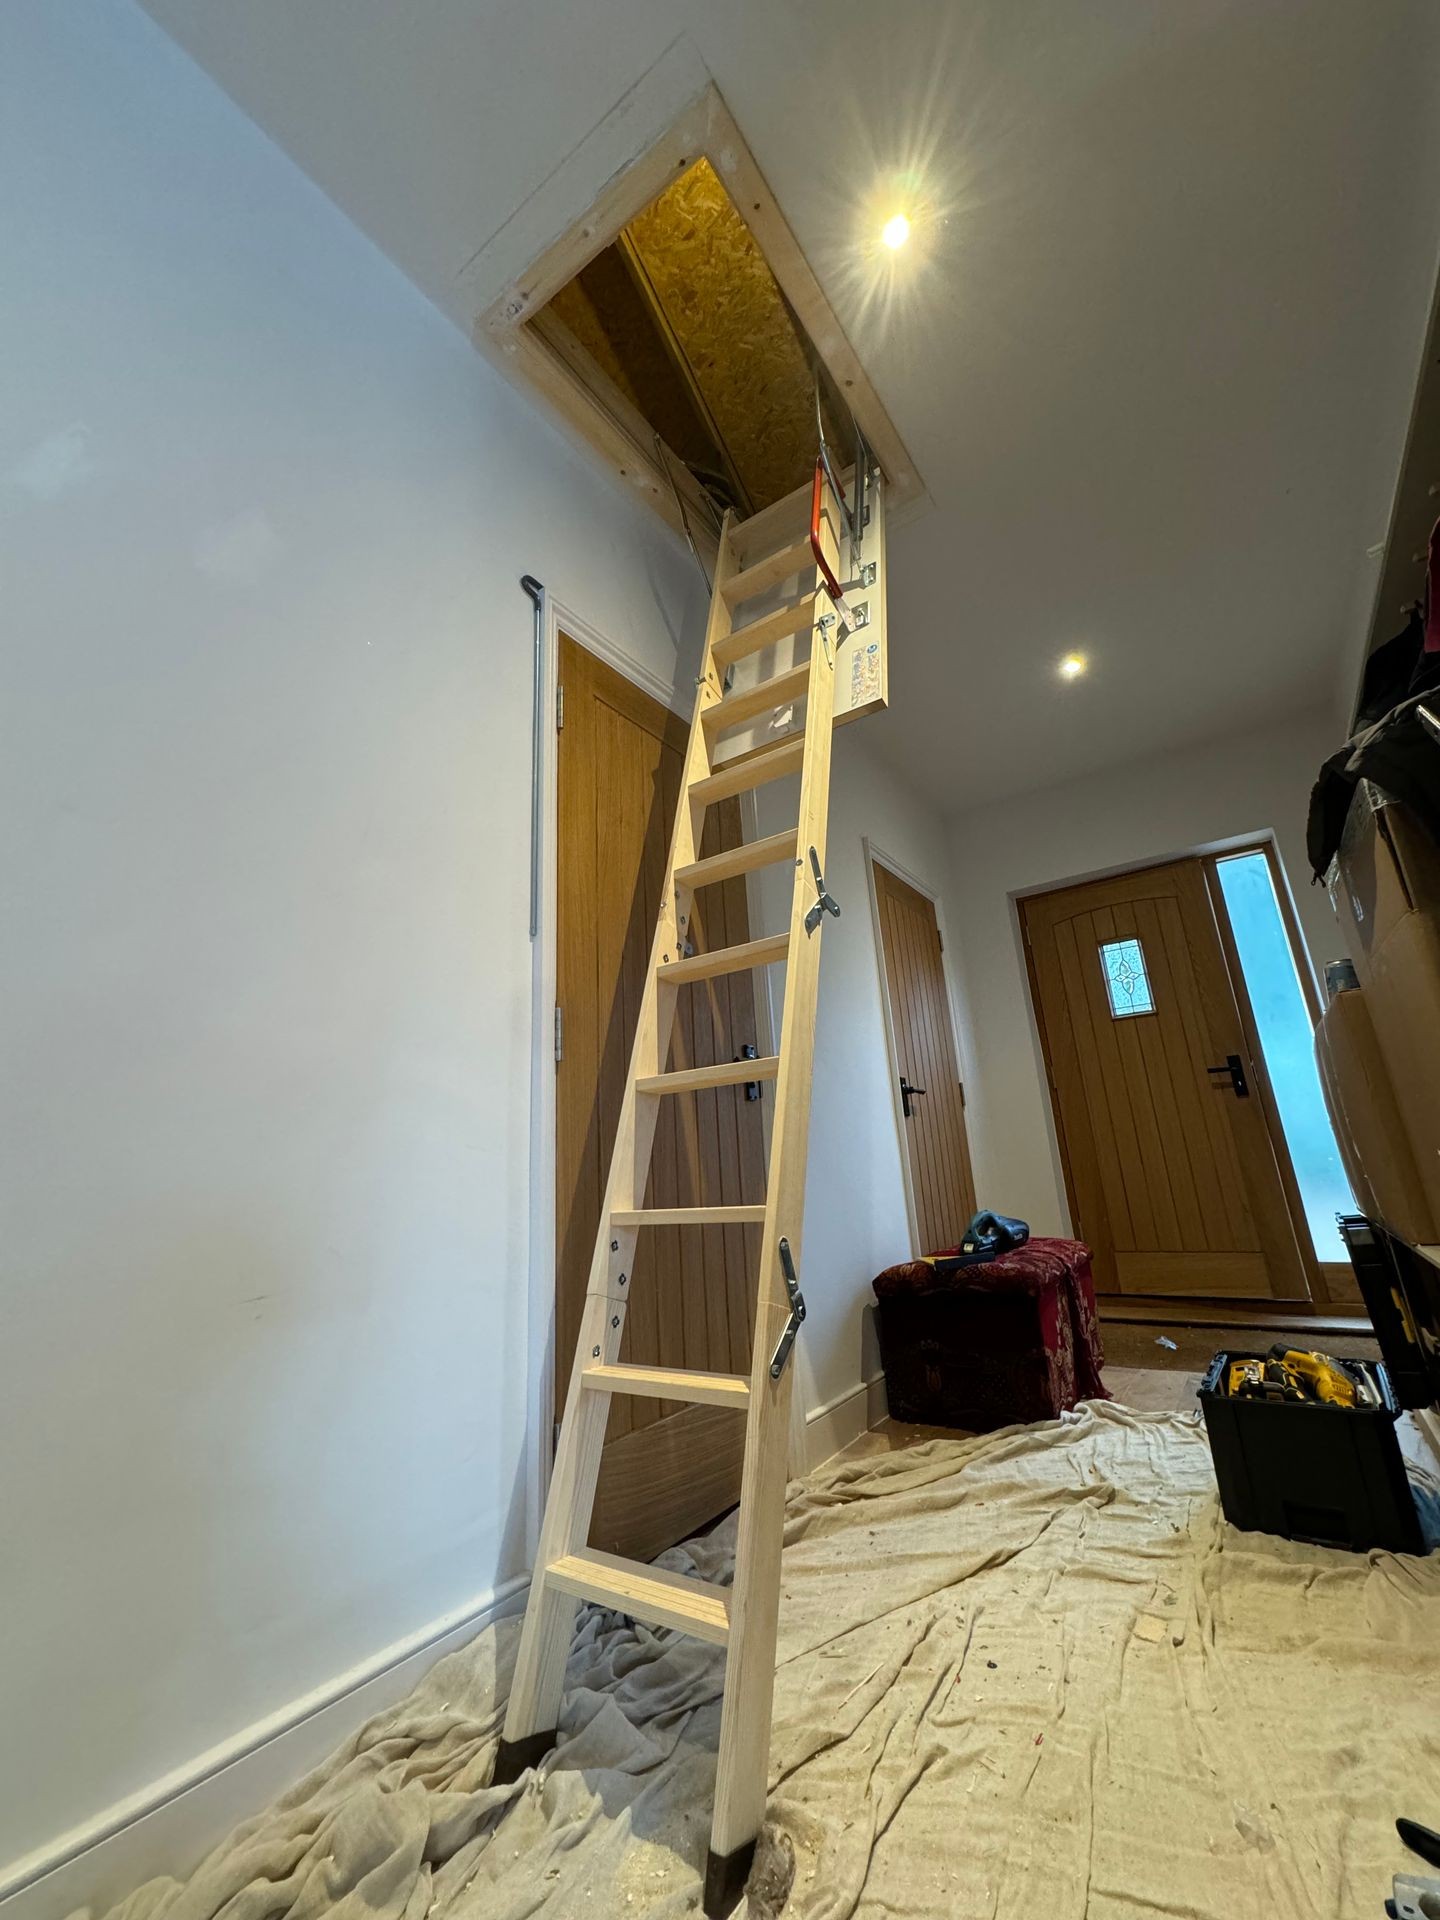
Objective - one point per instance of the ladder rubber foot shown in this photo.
(725, 1877)
(514, 1757)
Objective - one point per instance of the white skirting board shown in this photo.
(169, 1826)
(838, 1422)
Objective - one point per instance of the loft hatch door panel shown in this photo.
(1163, 1115)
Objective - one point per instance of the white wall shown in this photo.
(855, 1218)
(265, 971)
(1128, 816)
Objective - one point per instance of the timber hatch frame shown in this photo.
(510, 327)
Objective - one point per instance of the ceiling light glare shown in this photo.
(1072, 666)
(895, 232)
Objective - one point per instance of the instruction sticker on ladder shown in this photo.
(864, 671)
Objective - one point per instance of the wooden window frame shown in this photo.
(542, 360)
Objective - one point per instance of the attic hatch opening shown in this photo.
(680, 331)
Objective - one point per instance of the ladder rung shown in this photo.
(706, 966)
(671, 1383)
(689, 1216)
(782, 521)
(769, 572)
(725, 1073)
(797, 618)
(737, 860)
(752, 770)
(645, 1593)
(781, 690)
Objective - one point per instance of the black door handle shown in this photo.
(1233, 1065)
(907, 1093)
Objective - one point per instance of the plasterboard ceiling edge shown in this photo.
(664, 93)
(662, 125)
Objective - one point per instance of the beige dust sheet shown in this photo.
(1032, 1674)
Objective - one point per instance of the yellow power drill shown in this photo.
(1326, 1379)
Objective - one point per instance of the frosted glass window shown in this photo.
(1287, 1040)
(1126, 980)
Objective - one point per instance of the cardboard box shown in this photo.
(1373, 1141)
(1403, 995)
(1387, 866)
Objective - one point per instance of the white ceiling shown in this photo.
(1156, 371)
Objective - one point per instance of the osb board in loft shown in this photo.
(732, 323)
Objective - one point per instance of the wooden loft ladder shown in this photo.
(741, 1618)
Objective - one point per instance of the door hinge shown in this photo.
(941, 938)
(559, 1033)
(559, 706)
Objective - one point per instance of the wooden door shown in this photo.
(1174, 1177)
(926, 1063)
(666, 1469)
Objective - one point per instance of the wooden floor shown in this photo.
(1154, 1389)
(1148, 1389)
(1131, 1347)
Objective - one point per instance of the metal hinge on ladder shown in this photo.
(823, 902)
(559, 1033)
(797, 1312)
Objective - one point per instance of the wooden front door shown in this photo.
(666, 1469)
(1174, 1178)
(925, 1063)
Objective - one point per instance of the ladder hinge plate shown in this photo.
(823, 902)
(797, 1312)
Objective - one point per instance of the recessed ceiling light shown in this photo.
(895, 232)
(1072, 666)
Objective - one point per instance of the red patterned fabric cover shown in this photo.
(1013, 1339)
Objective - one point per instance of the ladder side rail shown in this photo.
(741, 1774)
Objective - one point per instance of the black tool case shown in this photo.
(1309, 1471)
(1401, 1289)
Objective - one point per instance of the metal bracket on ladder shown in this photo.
(797, 1312)
(823, 902)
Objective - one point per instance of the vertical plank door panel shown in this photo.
(934, 1137)
(1175, 1182)
(665, 1469)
